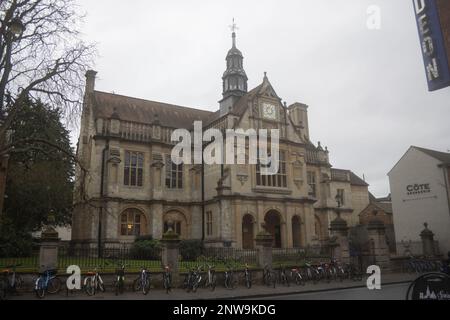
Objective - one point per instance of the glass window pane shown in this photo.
(123, 230)
(137, 218)
(133, 159)
(141, 160)
(127, 159)
(133, 177)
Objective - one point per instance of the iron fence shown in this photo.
(109, 258)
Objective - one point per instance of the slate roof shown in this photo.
(144, 111)
(338, 174)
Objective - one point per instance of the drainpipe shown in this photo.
(447, 191)
(203, 200)
(100, 216)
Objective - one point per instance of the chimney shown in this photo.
(90, 81)
(299, 115)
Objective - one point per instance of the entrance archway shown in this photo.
(247, 232)
(296, 232)
(273, 225)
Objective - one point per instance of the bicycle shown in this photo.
(192, 280)
(247, 277)
(93, 283)
(211, 278)
(297, 277)
(229, 278)
(47, 282)
(10, 282)
(284, 280)
(167, 279)
(142, 282)
(119, 283)
(312, 274)
(269, 278)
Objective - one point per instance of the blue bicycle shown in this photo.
(47, 282)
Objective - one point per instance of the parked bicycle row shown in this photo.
(417, 265)
(201, 276)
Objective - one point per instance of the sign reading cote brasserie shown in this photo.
(415, 189)
(432, 18)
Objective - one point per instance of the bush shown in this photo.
(190, 250)
(145, 248)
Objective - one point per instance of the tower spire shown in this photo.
(234, 78)
(233, 28)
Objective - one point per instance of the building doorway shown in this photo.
(273, 225)
(247, 232)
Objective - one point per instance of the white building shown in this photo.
(420, 193)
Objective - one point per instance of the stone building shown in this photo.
(132, 188)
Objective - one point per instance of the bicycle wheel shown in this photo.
(54, 285)
(137, 285)
(213, 283)
(89, 287)
(40, 288)
(146, 286)
(19, 283)
(101, 286)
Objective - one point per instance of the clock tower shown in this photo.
(234, 79)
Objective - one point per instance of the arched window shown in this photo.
(132, 223)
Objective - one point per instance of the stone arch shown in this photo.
(296, 231)
(273, 220)
(179, 221)
(248, 231)
(133, 222)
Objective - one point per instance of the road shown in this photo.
(388, 292)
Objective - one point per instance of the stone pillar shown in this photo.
(48, 252)
(427, 237)
(377, 237)
(170, 253)
(264, 243)
(339, 234)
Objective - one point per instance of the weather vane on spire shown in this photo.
(234, 27)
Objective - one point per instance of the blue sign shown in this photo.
(437, 66)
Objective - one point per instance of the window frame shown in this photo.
(131, 216)
(312, 183)
(133, 170)
(279, 180)
(174, 179)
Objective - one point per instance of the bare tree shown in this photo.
(43, 57)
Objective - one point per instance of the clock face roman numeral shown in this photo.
(269, 111)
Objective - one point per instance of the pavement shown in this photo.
(335, 291)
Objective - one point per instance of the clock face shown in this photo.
(269, 111)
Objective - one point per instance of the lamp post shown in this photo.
(14, 30)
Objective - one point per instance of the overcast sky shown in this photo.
(366, 89)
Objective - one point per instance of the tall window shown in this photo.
(134, 169)
(132, 223)
(278, 180)
(209, 223)
(341, 195)
(312, 184)
(174, 174)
